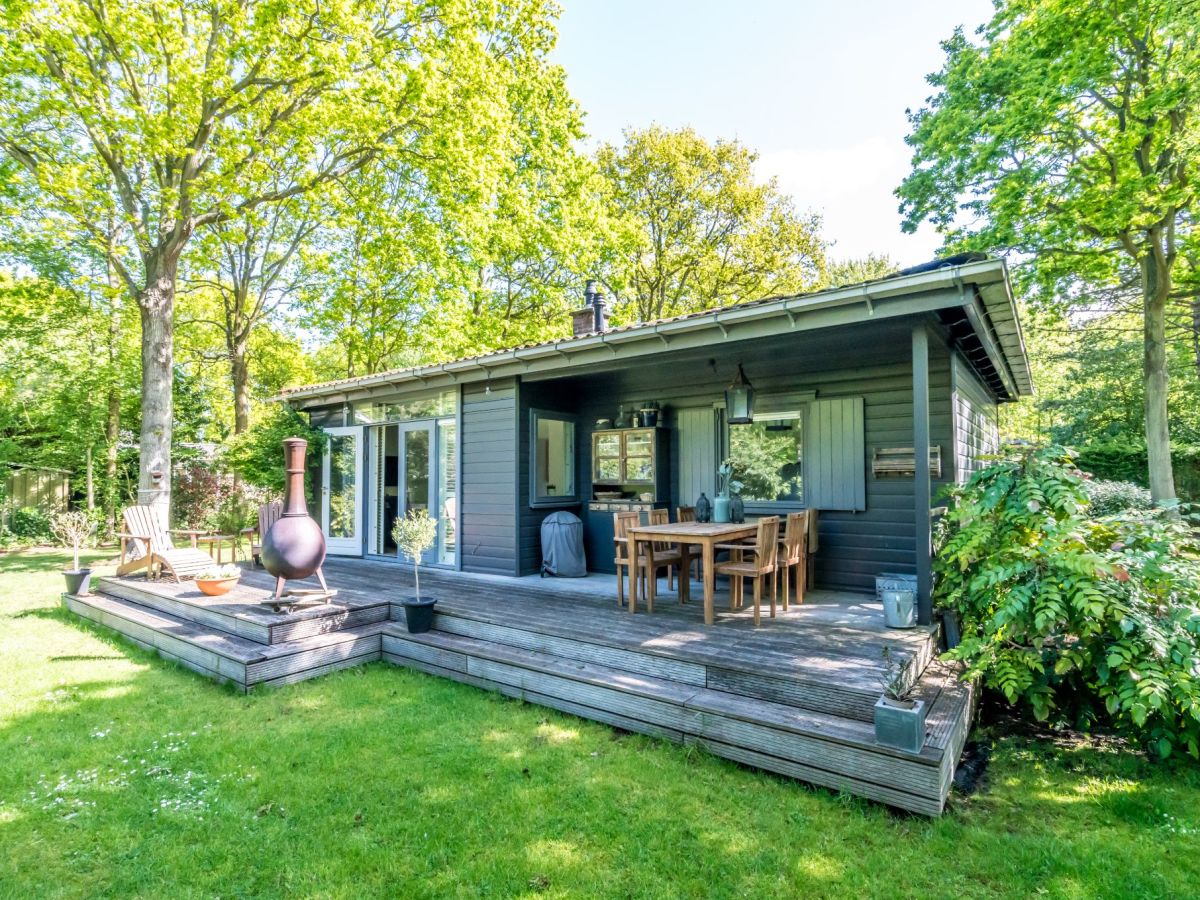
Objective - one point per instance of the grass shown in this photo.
(123, 775)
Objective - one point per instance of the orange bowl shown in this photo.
(216, 587)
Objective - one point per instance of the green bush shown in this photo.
(256, 456)
(1108, 497)
(1088, 620)
(29, 524)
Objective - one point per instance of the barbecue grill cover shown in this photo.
(562, 546)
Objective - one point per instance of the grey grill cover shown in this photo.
(562, 546)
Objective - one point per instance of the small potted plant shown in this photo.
(217, 580)
(414, 534)
(899, 720)
(72, 528)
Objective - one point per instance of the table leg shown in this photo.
(709, 580)
(635, 576)
(685, 574)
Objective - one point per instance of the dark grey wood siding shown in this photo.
(976, 421)
(488, 444)
(875, 365)
(548, 397)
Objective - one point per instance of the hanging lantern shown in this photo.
(739, 400)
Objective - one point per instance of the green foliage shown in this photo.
(706, 232)
(1096, 620)
(1067, 138)
(1119, 460)
(256, 456)
(29, 523)
(1108, 497)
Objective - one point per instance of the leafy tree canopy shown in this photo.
(706, 231)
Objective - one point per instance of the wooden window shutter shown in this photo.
(835, 455)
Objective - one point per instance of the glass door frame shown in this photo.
(429, 427)
(433, 428)
(351, 545)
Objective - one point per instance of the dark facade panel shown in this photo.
(488, 445)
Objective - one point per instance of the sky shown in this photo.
(818, 89)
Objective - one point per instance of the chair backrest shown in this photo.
(268, 515)
(796, 537)
(622, 522)
(812, 530)
(766, 547)
(146, 524)
(660, 517)
(685, 514)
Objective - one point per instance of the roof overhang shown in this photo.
(980, 291)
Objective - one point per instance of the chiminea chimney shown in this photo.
(592, 317)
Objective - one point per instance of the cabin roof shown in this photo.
(973, 299)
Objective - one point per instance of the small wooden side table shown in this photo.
(217, 541)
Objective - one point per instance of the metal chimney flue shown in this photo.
(593, 316)
(600, 310)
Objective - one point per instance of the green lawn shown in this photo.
(122, 775)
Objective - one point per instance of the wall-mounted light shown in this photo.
(739, 400)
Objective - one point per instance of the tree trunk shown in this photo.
(1155, 290)
(1196, 334)
(112, 416)
(112, 434)
(157, 305)
(240, 371)
(91, 479)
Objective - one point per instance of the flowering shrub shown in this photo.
(1091, 619)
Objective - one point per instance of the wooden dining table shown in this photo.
(706, 535)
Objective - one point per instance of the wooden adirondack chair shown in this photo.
(146, 544)
(268, 515)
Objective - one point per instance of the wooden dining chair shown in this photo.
(658, 555)
(760, 565)
(622, 522)
(663, 517)
(793, 555)
(688, 514)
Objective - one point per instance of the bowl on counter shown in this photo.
(646, 497)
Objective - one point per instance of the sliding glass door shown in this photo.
(413, 467)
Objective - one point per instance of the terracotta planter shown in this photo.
(216, 587)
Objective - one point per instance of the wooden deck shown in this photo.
(793, 696)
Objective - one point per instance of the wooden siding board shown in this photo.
(488, 448)
(975, 420)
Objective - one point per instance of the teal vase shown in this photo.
(721, 508)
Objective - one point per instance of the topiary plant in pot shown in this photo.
(899, 720)
(71, 528)
(414, 535)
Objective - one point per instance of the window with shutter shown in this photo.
(835, 455)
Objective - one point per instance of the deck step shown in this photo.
(240, 614)
(819, 747)
(758, 673)
(225, 657)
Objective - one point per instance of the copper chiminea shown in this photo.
(294, 547)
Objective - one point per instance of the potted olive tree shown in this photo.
(415, 534)
(899, 720)
(71, 528)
